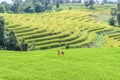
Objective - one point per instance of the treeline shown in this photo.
(28, 6)
(115, 13)
(31, 6)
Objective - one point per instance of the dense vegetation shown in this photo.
(8, 39)
(28, 6)
(31, 6)
(115, 12)
(1, 31)
(37, 6)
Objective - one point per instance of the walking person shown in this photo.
(58, 52)
(62, 53)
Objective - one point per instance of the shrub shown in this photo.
(113, 11)
(58, 9)
(2, 31)
(1, 48)
(10, 11)
(33, 46)
(23, 45)
(112, 21)
(67, 46)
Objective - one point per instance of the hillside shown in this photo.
(76, 28)
(42, 30)
(76, 64)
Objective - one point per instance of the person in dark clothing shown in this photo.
(62, 53)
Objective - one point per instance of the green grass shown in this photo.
(106, 7)
(76, 64)
(73, 5)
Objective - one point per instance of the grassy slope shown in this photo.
(103, 10)
(76, 64)
(106, 7)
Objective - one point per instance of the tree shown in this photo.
(7, 6)
(29, 8)
(118, 6)
(67, 1)
(57, 3)
(2, 31)
(118, 18)
(91, 3)
(47, 4)
(15, 7)
(7, 40)
(11, 41)
(105, 1)
(49, 7)
(39, 7)
(113, 11)
(112, 21)
(86, 3)
(118, 14)
(2, 9)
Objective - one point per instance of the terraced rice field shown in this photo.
(77, 28)
(113, 38)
